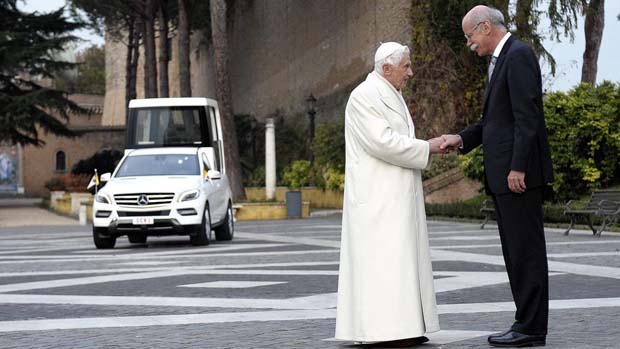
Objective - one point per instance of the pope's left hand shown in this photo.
(516, 181)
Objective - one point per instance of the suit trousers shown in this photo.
(520, 221)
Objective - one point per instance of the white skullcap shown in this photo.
(387, 49)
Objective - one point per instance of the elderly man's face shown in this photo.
(398, 75)
(476, 35)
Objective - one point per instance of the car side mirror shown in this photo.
(105, 177)
(213, 174)
(210, 154)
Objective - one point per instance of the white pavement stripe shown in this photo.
(465, 238)
(564, 267)
(159, 320)
(440, 337)
(321, 301)
(557, 243)
(583, 303)
(290, 239)
(36, 285)
(214, 255)
(582, 254)
(234, 284)
(137, 270)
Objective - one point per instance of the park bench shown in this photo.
(604, 203)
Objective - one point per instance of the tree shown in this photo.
(220, 55)
(27, 45)
(91, 71)
(164, 54)
(448, 96)
(593, 27)
(150, 61)
(184, 76)
(122, 21)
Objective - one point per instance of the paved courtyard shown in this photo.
(274, 286)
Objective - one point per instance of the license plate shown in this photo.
(143, 220)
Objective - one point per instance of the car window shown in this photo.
(159, 165)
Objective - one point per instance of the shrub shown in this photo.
(329, 145)
(441, 164)
(334, 179)
(77, 182)
(584, 134)
(55, 183)
(297, 174)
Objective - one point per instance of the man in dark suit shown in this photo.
(517, 166)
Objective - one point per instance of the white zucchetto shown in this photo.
(387, 49)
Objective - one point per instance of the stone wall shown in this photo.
(39, 163)
(280, 52)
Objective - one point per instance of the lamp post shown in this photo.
(311, 107)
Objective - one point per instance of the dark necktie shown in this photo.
(491, 66)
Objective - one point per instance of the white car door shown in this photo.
(214, 187)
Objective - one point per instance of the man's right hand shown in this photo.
(451, 142)
(435, 145)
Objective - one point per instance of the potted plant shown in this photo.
(55, 184)
(77, 183)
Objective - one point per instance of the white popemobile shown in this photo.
(173, 181)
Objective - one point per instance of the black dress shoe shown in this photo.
(495, 335)
(399, 343)
(513, 339)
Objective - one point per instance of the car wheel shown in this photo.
(102, 240)
(202, 234)
(137, 238)
(226, 231)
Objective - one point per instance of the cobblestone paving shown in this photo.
(274, 286)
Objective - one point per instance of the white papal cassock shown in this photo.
(385, 286)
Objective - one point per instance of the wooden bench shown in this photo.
(604, 203)
(489, 211)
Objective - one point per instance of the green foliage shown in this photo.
(441, 164)
(334, 179)
(584, 134)
(328, 145)
(297, 174)
(55, 183)
(472, 164)
(90, 77)
(28, 43)
(255, 178)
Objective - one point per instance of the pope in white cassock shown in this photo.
(385, 286)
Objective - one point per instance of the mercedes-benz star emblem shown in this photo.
(143, 200)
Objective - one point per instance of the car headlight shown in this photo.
(190, 195)
(102, 198)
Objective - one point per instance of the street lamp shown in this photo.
(311, 107)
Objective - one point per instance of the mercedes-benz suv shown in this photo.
(163, 191)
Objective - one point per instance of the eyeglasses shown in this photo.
(471, 33)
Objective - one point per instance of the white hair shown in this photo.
(393, 59)
(486, 13)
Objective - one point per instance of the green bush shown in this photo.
(584, 135)
(328, 145)
(334, 179)
(441, 164)
(297, 174)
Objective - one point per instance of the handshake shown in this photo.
(444, 143)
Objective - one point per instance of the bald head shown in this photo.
(484, 28)
(483, 13)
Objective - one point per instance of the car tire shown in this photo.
(102, 240)
(137, 238)
(226, 231)
(203, 233)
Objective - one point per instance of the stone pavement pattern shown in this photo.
(274, 286)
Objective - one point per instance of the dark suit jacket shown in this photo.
(512, 129)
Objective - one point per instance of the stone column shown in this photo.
(270, 160)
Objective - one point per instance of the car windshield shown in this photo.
(159, 165)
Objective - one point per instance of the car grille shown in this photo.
(143, 214)
(143, 199)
